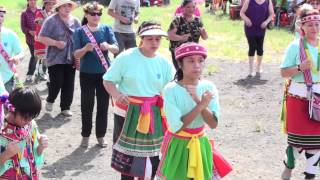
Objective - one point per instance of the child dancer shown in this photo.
(190, 104)
(21, 145)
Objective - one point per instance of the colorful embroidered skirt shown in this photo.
(302, 131)
(11, 174)
(175, 155)
(132, 149)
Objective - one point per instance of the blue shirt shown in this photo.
(90, 62)
(12, 45)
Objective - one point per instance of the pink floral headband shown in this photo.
(4, 100)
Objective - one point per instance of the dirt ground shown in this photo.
(248, 134)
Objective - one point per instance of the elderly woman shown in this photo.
(11, 53)
(28, 27)
(39, 48)
(185, 28)
(92, 67)
(301, 66)
(256, 14)
(140, 75)
(56, 33)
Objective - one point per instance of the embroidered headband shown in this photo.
(152, 30)
(189, 49)
(311, 17)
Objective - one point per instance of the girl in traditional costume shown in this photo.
(140, 74)
(190, 104)
(301, 65)
(21, 145)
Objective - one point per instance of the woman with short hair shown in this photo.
(92, 44)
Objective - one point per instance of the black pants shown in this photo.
(61, 78)
(91, 86)
(117, 127)
(125, 41)
(32, 62)
(255, 44)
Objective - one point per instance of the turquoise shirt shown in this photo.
(39, 159)
(178, 102)
(12, 45)
(292, 59)
(138, 75)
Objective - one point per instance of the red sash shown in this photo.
(6, 57)
(96, 46)
(14, 133)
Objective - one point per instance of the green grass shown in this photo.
(226, 37)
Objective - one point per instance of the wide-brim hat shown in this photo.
(63, 2)
(189, 49)
(153, 30)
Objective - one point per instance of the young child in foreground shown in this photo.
(21, 144)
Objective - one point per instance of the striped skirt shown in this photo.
(302, 131)
(133, 150)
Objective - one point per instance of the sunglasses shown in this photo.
(95, 14)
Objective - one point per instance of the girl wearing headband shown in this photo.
(21, 144)
(190, 104)
(139, 123)
(302, 58)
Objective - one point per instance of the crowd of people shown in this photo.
(161, 109)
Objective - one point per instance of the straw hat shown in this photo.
(63, 2)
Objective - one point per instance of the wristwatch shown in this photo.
(299, 70)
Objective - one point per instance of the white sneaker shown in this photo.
(66, 113)
(29, 79)
(49, 106)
